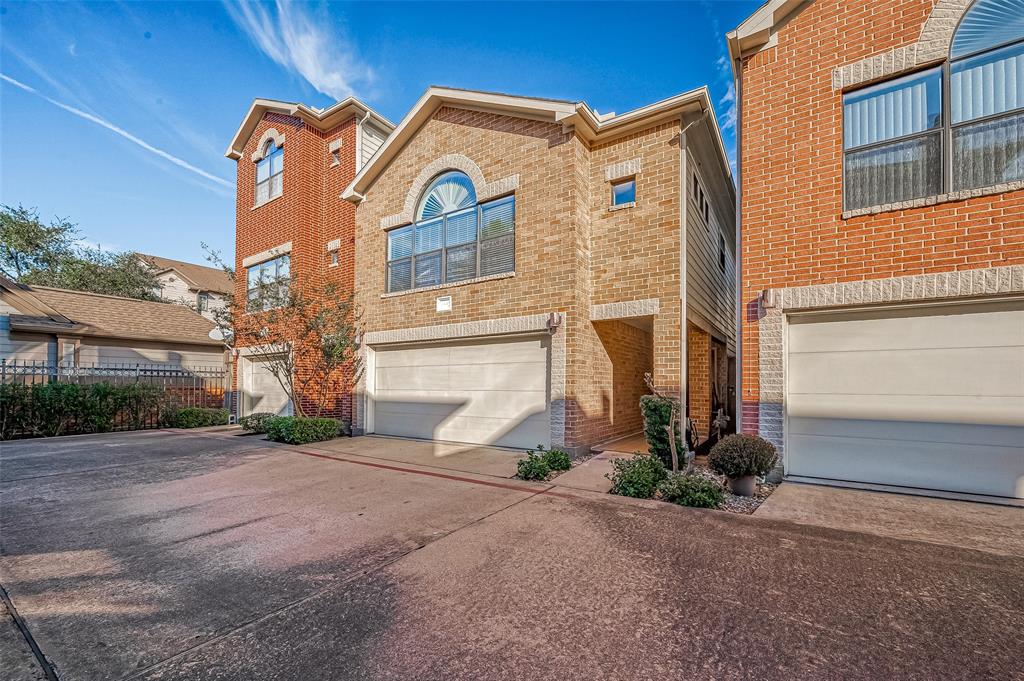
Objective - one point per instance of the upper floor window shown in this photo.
(269, 171)
(454, 238)
(624, 192)
(954, 127)
(203, 301)
(701, 199)
(267, 284)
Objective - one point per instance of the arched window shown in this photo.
(986, 95)
(952, 127)
(269, 172)
(453, 239)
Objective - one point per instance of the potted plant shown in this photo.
(741, 458)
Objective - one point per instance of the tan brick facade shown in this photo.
(572, 252)
(794, 231)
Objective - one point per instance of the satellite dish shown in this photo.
(216, 334)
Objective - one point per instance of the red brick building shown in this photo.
(881, 162)
(293, 163)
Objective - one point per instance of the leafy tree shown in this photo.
(27, 245)
(49, 255)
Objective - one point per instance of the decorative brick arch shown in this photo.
(270, 134)
(484, 190)
(932, 46)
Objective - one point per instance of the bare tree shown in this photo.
(673, 419)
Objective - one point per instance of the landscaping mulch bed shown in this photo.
(734, 503)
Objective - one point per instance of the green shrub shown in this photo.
(299, 430)
(15, 410)
(656, 412)
(740, 455)
(100, 403)
(138, 402)
(691, 490)
(56, 407)
(257, 422)
(637, 477)
(558, 459)
(200, 417)
(540, 462)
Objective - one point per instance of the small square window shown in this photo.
(334, 258)
(624, 192)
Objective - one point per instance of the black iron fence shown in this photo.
(42, 398)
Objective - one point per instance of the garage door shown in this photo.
(481, 392)
(930, 398)
(263, 392)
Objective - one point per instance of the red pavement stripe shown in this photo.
(444, 476)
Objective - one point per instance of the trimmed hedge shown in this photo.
(540, 463)
(257, 422)
(59, 408)
(199, 417)
(740, 455)
(656, 412)
(299, 430)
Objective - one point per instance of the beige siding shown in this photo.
(23, 347)
(94, 351)
(174, 289)
(373, 137)
(710, 291)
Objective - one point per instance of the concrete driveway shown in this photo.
(209, 556)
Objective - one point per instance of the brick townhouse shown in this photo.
(519, 263)
(293, 162)
(881, 162)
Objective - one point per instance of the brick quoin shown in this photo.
(308, 213)
(791, 164)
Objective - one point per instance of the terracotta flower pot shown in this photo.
(743, 487)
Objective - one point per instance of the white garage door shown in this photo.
(481, 392)
(263, 392)
(931, 398)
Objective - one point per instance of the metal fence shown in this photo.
(158, 389)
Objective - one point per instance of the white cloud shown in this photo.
(303, 43)
(221, 182)
(73, 49)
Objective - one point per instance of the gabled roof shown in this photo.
(587, 122)
(321, 119)
(55, 310)
(200, 277)
(759, 29)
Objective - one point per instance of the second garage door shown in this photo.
(490, 391)
(263, 392)
(928, 397)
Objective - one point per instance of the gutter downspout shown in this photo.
(684, 175)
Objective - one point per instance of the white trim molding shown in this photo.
(270, 134)
(484, 190)
(617, 171)
(268, 254)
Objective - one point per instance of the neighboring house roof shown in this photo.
(321, 119)
(591, 125)
(54, 310)
(760, 28)
(201, 277)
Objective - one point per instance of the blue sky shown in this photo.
(117, 115)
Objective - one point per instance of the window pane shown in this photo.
(275, 185)
(461, 263)
(624, 192)
(497, 255)
(253, 277)
(277, 162)
(400, 243)
(461, 227)
(988, 23)
(988, 153)
(988, 84)
(283, 264)
(893, 109)
(428, 270)
(262, 191)
(428, 236)
(400, 275)
(895, 172)
(497, 218)
(262, 170)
